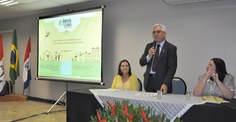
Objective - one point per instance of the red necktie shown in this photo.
(154, 61)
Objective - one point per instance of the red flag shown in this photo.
(2, 78)
(26, 70)
(1, 48)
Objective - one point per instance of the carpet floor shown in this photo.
(31, 111)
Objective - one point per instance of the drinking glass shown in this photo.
(188, 95)
(159, 94)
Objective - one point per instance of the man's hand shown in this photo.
(151, 52)
(164, 88)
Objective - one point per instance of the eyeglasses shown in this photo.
(158, 31)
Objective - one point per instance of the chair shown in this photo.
(178, 86)
(140, 84)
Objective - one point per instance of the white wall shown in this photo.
(200, 32)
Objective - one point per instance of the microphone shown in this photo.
(154, 45)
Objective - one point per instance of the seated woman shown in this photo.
(125, 80)
(216, 81)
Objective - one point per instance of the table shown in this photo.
(172, 105)
(78, 100)
(225, 112)
(81, 104)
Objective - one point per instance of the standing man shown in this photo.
(160, 57)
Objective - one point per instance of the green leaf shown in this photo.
(106, 114)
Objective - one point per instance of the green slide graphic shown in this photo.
(70, 46)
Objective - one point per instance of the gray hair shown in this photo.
(163, 27)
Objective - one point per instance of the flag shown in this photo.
(14, 59)
(26, 69)
(2, 78)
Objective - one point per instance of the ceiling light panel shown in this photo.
(181, 2)
(8, 2)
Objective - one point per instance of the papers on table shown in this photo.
(144, 94)
(212, 99)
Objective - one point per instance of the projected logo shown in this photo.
(67, 23)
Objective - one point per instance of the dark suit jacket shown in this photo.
(166, 67)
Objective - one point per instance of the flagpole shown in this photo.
(23, 90)
(13, 88)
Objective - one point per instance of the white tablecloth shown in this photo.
(172, 105)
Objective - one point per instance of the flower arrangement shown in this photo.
(126, 112)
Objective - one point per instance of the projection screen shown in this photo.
(70, 47)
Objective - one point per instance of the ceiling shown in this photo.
(29, 7)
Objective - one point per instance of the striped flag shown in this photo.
(26, 69)
(2, 78)
(14, 59)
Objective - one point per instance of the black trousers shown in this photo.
(152, 85)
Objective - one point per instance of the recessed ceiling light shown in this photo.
(181, 2)
(8, 2)
(13, 3)
(2, 1)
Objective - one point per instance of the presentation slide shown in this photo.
(70, 47)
